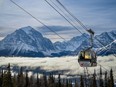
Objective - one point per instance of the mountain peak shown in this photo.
(27, 29)
(25, 41)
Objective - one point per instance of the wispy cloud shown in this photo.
(66, 32)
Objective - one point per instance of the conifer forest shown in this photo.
(22, 79)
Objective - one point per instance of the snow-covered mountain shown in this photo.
(26, 41)
(72, 44)
(105, 38)
(81, 42)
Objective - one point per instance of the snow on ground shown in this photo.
(58, 64)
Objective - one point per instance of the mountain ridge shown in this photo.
(27, 41)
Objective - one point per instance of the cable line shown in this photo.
(63, 17)
(36, 19)
(81, 23)
(72, 15)
(63, 12)
(40, 22)
(82, 26)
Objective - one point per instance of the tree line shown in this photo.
(22, 79)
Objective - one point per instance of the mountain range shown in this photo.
(29, 42)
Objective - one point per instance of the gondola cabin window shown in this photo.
(87, 55)
(81, 55)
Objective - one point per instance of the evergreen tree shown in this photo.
(7, 80)
(67, 83)
(51, 80)
(59, 81)
(1, 77)
(109, 82)
(100, 78)
(111, 78)
(94, 79)
(106, 80)
(26, 79)
(37, 81)
(81, 81)
(20, 78)
(45, 80)
(14, 81)
(70, 83)
(31, 81)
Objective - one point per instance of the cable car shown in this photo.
(87, 57)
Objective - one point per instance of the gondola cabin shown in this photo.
(87, 58)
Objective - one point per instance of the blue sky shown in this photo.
(100, 15)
